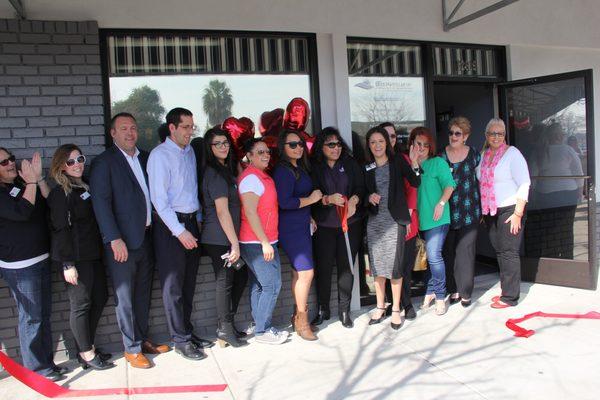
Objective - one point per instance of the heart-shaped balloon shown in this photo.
(240, 130)
(271, 122)
(296, 115)
(310, 141)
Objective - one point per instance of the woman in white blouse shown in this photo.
(504, 185)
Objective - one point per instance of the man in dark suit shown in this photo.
(121, 200)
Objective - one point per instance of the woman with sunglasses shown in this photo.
(220, 230)
(338, 176)
(295, 195)
(504, 185)
(388, 218)
(24, 258)
(465, 212)
(77, 250)
(258, 240)
(433, 194)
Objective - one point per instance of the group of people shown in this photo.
(188, 197)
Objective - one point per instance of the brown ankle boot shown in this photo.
(302, 326)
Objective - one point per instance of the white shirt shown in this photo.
(173, 183)
(511, 178)
(136, 167)
(23, 263)
(252, 184)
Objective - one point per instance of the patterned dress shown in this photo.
(465, 204)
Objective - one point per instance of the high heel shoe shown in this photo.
(427, 300)
(465, 302)
(374, 321)
(454, 298)
(440, 307)
(322, 315)
(396, 326)
(226, 335)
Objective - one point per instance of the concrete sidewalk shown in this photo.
(465, 354)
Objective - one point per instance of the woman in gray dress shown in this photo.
(388, 218)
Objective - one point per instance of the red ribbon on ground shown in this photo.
(522, 332)
(50, 389)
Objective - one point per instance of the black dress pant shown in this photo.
(459, 256)
(408, 263)
(329, 247)
(507, 248)
(230, 284)
(132, 282)
(177, 269)
(87, 300)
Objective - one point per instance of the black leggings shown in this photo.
(230, 284)
(459, 255)
(408, 262)
(330, 247)
(87, 300)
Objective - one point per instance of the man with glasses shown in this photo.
(174, 192)
(121, 201)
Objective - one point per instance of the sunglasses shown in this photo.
(293, 145)
(496, 134)
(72, 161)
(455, 133)
(221, 145)
(10, 159)
(333, 145)
(423, 145)
(262, 152)
(393, 136)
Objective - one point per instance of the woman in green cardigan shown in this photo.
(433, 194)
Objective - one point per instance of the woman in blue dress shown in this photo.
(295, 194)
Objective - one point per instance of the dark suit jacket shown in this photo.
(399, 170)
(118, 199)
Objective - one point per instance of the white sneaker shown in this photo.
(272, 336)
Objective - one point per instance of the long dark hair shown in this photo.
(318, 156)
(389, 151)
(227, 171)
(284, 159)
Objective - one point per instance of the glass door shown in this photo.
(550, 120)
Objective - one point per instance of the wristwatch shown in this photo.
(442, 203)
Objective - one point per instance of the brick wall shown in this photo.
(50, 94)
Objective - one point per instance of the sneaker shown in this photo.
(272, 336)
(250, 329)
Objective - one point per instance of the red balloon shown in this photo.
(240, 130)
(296, 115)
(271, 122)
(310, 141)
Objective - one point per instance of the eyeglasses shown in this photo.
(293, 145)
(72, 161)
(455, 133)
(495, 134)
(10, 159)
(262, 152)
(188, 127)
(333, 145)
(221, 145)
(423, 145)
(392, 136)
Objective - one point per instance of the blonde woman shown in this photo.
(77, 248)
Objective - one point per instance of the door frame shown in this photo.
(555, 271)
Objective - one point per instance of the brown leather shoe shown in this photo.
(302, 327)
(138, 360)
(150, 348)
(313, 328)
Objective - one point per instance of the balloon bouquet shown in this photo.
(294, 117)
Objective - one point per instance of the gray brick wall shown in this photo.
(51, 94)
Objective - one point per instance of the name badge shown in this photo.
(370, 166)
(85, 195)
(14, 192)
(342, 169)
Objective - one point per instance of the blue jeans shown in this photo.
(436, 273)
(30, 287)
(265, 284)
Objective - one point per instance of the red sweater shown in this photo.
(268, 209)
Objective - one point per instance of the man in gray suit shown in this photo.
(121, 200)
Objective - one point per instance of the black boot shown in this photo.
(226, 335)
(322, 315)
(346, 320)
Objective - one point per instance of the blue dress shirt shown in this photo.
(173, 183)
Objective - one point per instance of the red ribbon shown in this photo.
(342, 212)
(522, 332)
(47, 388)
